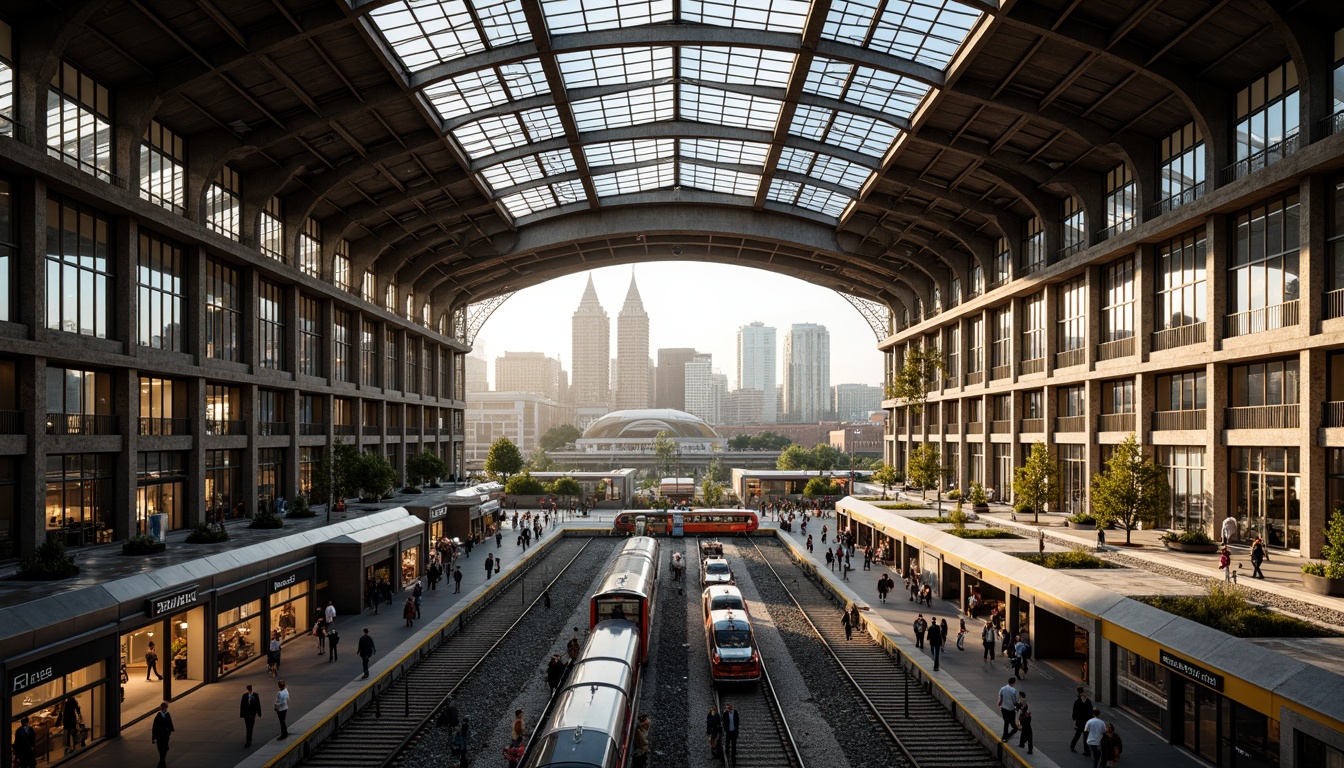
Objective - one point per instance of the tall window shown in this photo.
(1267, 383)
(271, 412)
(1262, 274)
(1117, 312)
(426, 368)
(223, 410)
(340, 265)
(1073, 227)
(412, 366)
(160, 489)
(408, 306)
(271, 234)
(390, 296)
(953, 292)
(223, 204)
(79, 270)
(223, 313)
(1033, 327)
(1181, 275)
(1334, 307)
(1072, 478)
(310, 248)
(1182, 174)
(1267, 120)
(1072, 315)
(976, 360)
(1181, 391)
(270, 478)
(1185, 478)
(952, 351)
(368, 355)
(424, 314)
(977, 281)
(343, 338)
(1072, 401)
(1033, 404)
(6, 80)
(1122, 200)
(1003, 263)
(1117, 396)
(310, 460)
(368, 288)
(9, 247)
(270, 325)
(162, 401)
(160, 294)
(1001, 347)
(310, 337)
(163, 168)
(1266, 495)
(391, 374)
(224, 485)
(80, 504)
(1033, 245)
(79, 122)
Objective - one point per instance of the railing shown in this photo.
(11, 127)
(1260, 320)
(1000, 372)
(312, 428)
(1334, 123)
(1262, 159)
(952, 382)
(11, 422)
(343, 430)
(975, 427)
(1031, 425)
(395, 431)
(1001, 426)
(1334, 414)
(1029, 267)
(93, 169)
(1170, 420)
(1002, 281)
(1035, 365)
(221, 427)
(1333, 302)
(1115, 422)
(975, 377)
(1116, 228)
(1069, 250)
(1262, 417)
(80, 424)
(1113, 350)
(273, 428)
(1071, 357)
(952, 428)
(160, 426)
(1183, 197)
(1070, 423)
(1180, 336)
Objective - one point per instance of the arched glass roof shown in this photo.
(647, 424)
(560, 106)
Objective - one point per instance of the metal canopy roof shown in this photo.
(470, 148)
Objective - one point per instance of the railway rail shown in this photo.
(369, 740)
(917, 724)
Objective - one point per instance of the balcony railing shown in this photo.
(1002, 281)
(1035, 365)
(1116, 228)
(343, 430)
(1070, 358)
(1114, 350)
(1169, 420)
(975, 377)
(11, 422)
(1262, 159)
(273, 428)
(1069, 250)
(1115, 422)
(1262, 417)
(1334, 123)
(952, 428)
(952, 382)
(1070, 423)
(161, 426)
(1180, 336)
(1334, 414)
(1001, 426)
(312, 428)
(1000, 372)
(1031, 425)
(80, 424)
(222, 427)
(1333, 304)
(975, 427)
(1260, 320)
(1028, 267)
(1183, 197)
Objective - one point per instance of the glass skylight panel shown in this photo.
(525, 169)
(843, 129)
(619, 110)
(610, 153)
(486, 88)
(542, 123)
(824, 167)
(423, 34)
(500, 132)
(556, 162)
(807, 196)
(719, 179)
(773, 15)
(711, 105)
(564, 16)
(744, 66)
(615, 66)
(726, 151)
(529, 201)
(925, 31)
(643, 178)
(503, 20)
(864, 86)
(570, 191)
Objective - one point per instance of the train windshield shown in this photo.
(726, 603)
(732, 638)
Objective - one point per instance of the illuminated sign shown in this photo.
(157, 606)
(1192, 671)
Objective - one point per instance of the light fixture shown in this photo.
(183, 625)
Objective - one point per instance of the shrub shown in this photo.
(959, 518)
(524, 485)
(142, 545)
(1333, 567)
(266, 520)
(977, 495)
(48, 563)
(929, 520)
(954, 494)
(1071, 559)
(982, 533)
(1225, 608)
(206, 533)
(1083, 518)
(299, 508)
(1188, 537)
(902, 505)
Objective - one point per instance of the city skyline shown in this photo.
(739, 296)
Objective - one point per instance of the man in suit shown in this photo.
(936, 641)
(163, 729)
(250, 710)
(25, 746)
(366, 650)
(732, 722)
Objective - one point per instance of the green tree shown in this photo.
(558, 437)
(1036, 483)
(332, 480)
(717, 472)
(821, 486)
(770, 441)
(911, 384)
(1132, 489)
(711, 493)
(826, 457)
(566, 487)
(795, 458)
(669, 454)
(372, 475)
(886, 476)
(425, 467)
(524, 485)
(924, 467)
(504, 460)
(540, 461)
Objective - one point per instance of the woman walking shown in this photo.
(1258, 556)
(408, 612)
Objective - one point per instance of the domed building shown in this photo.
(635, 431)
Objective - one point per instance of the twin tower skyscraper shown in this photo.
(594, 383)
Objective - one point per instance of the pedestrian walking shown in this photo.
(809, 543)
(514, 752)
(1229, 529)
(417, 593)
(151, 662)
(989, 638)
(882, 588)
(282, 708)
(366, 650)
(1225, 562)
(408, 611)
(1082, 712)
(489, 565)
(642, 743)
(162, 732)
(844, 574)
(330, 614)
(732, 723)
(1008, 708)
(1021, 655)
(961, 636)
(927, 595)
(920, 626)
(435, 573)
(1096, 730)
(371, 587)
(72, 722)
(25, 745)
(714, 732)
(848, 625)
(1258, 556)
(830, 559)
(936, 641)
(457, 579)
(1024, 723)
(333, 637)
(320, 632)
(867, 558)
(249, 709)
(273, 656)
(1111, 746)
(1101, 536)
(555, 672)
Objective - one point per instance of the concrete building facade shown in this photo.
(532, 372)
(807, 373)
(855, 402)
(670, 384)
(701, 400)
(590, 342)
(522, 417)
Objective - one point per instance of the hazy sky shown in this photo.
(690, 304)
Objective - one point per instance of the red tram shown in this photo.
(692, 523)
(628, 589)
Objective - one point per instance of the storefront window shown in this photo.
(289, 611)
(240, 632)
(79, 507)
(142, 687)
(67, 712)
(187, 647)
(1253, 738)
(223, 486)
(161, 490)
(1141, 687)
(410, 566)
(1265, 493)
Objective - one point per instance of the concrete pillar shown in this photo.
(1051, 330)
(1145, 300)
(195, 459)
(30, 495)
(1095, 290)
(1092, 407)
(1313, 254)
(1312, 500)
(1218, 242)
(1217, 472)
(126, 391)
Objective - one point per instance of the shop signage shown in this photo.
(436, 512)
(158, 606)
(281, 582)
(1192, 671)
(30, 678)
(976, 572)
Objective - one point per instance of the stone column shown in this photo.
(1312, 499)
(1217, 464)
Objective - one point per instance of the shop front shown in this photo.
(1217, 727)
(163, 657)
(239, 630)
(64, 696)
(410, 566)
(290, 603)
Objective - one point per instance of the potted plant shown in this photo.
(205, 533)
(1082, 521)
(142, 545)
(1190, 541)
(266, 519)
(1328, 578)
(299, 507)
(49, 563)
(979, 501)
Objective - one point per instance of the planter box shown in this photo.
(1080, 526)
(1202, 549)
(1321, 585)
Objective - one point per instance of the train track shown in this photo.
(370, 741)
(926, 737)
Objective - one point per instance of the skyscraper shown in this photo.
(670, 391)
(477, 380)
(704, 396)
(807, 373)
(632, 353)
(756, 366)
(531, 372)
(590, 351)
(855, 402)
